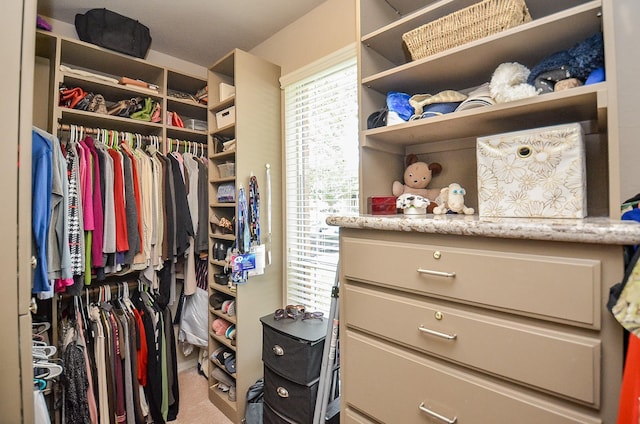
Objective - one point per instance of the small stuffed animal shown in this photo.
(412, 204)
(452, 199)
(417, 177)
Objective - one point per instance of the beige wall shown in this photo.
(153, 56)
(325, 29)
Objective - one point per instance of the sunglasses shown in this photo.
(313, 315)
(295, 311)
(289, 311)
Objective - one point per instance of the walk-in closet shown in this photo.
(164, 220)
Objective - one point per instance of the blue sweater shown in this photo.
(41, 179)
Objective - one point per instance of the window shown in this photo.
(321, 168)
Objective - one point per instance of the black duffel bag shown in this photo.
(113, 31)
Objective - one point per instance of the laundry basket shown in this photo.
(469, 24)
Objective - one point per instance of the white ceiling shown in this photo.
(198, 31)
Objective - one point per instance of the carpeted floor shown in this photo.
(195, 407)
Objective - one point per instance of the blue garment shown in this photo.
(41, 181)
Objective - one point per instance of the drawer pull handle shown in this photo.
(438, 333)
(437, 273)
(282, 392)
(278, 350)
(434, 414)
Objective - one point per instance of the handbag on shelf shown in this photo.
(70, 97)
(156, 115)
(144, 114)
(98, 104)
(84, 103)
(176, 121)
(118, 108)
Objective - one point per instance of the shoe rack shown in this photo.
(255, 133)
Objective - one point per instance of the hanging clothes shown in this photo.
(58, 253)
(202, 231)
(102, 207)
(109, 210)
(192, 179)
(41, 183)
(184, 226)
(75, 380)
(122, 239)
(74, 211)
(132, 351)
(96, 205)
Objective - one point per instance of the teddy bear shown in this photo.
(452, 199)
(417, 177)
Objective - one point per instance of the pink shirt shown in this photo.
(87, 188)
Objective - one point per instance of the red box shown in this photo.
(382, 205)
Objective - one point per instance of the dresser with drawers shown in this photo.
(471, 320)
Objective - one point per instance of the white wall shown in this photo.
(325, 29)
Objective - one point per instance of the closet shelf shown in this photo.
(222, 180)
(189, 103)
(217, 262)
(177, 132)
(222, 368)
(222, 289)
(112, 92)
(224, 316)
(96, 120)
(231, 237)
(222, 155)
(573, 105)
(222, 340)
(223, 205)
(78, 54)
(227, 407)
(388, 40)
(527, 44)
(226, 131)
(217, 107)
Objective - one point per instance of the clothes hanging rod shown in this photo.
(187, 143)
(95, 288)
(93, 131)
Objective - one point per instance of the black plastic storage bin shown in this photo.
(294, 348)
(272, 417)
(269, 416)
(294, 401)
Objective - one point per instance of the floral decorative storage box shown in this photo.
(538, 173)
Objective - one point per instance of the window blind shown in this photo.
(321, 178)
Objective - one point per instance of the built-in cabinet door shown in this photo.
(17, 29)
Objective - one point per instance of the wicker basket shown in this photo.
(471, 23)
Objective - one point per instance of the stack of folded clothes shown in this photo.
(478, 97)
(581, 64)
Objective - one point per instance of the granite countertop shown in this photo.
(587, 230)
